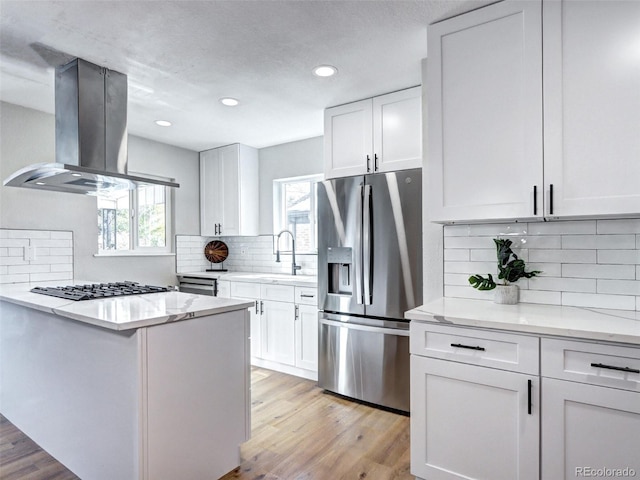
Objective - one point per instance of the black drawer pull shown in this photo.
(612, 367)
(306, 296)
(459, 345)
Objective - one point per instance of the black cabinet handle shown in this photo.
(529, 398)
(304, 295)
(459, 345)
(257, 307)
(368, 164)
(612, 367)
(261, 307)
(551, 199)
(375, 162)
(535, 199)
(219, 229)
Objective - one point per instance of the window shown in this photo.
(294, 209)
(135, 220)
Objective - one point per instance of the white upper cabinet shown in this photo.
(506, 121)
(381, 134)
(484, 84)
(348, 139)
(229, 191)
(592, 107)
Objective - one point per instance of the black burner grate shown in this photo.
(98, 290)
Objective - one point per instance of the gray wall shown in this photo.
(304, 157)
(27, 136)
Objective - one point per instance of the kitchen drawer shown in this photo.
(277, 293)
(595, 363)
(224, 289)
(306, 296)
(506, 351)
(245, 290)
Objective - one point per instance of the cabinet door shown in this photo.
(484, 77)
(307, 337)
(592, 107)
(397, 130)
(470, 422)
(348, 140)
(228, 185)
(278, 332)
(586, 427)
(210, 193)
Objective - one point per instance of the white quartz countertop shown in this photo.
(121, 313)
(277, 278)
(596, 324)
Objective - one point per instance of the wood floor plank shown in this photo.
(299, 432)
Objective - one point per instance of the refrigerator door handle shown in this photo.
(358, 250)
(367, 238)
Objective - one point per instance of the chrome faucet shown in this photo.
(294, 267)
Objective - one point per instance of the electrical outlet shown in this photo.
(243, 250)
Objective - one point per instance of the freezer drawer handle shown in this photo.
(613, 367)
(529, 388)
(366, 328)
(459, 345)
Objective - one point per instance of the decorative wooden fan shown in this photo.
(216, 251)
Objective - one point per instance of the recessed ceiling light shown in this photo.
(40, 183)
(325, 70)
(229, 102)
(163, 123)
(76, 174)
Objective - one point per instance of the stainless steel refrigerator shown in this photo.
(369, 274)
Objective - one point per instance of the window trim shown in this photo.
(135, 249)
(278, 203)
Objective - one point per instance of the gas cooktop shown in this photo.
(98, 290)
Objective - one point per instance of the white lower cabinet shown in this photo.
(306, 331)
(591, 403)
(284, 326)
(577, 416)
(470, 421)
(278, 330)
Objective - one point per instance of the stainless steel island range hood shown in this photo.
(91, 135)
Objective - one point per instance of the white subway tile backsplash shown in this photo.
(471, 267)
(546, 269)
(578, 227)
(622, 257)
(468, 242)
(497, 229)
(619, 226)
(619, 287)
(563, 256)
(592, 263)
(582, 285)
(617, 302)
(623, 272)
(467, 292)
(35, 255)
(456, 279)
(547, 241)
(540, 297)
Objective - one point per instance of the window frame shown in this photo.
(134, 247)
(279, 212)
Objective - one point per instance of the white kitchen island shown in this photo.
(152, 386)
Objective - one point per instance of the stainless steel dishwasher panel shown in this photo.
(364, 358)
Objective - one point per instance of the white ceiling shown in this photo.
(182, 56)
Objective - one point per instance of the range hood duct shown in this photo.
(91, 135)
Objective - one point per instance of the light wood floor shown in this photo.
(298, 433)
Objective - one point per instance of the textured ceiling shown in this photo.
(182, 56)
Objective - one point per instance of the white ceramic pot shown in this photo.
(506, 294)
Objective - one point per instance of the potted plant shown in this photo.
(510, 270)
